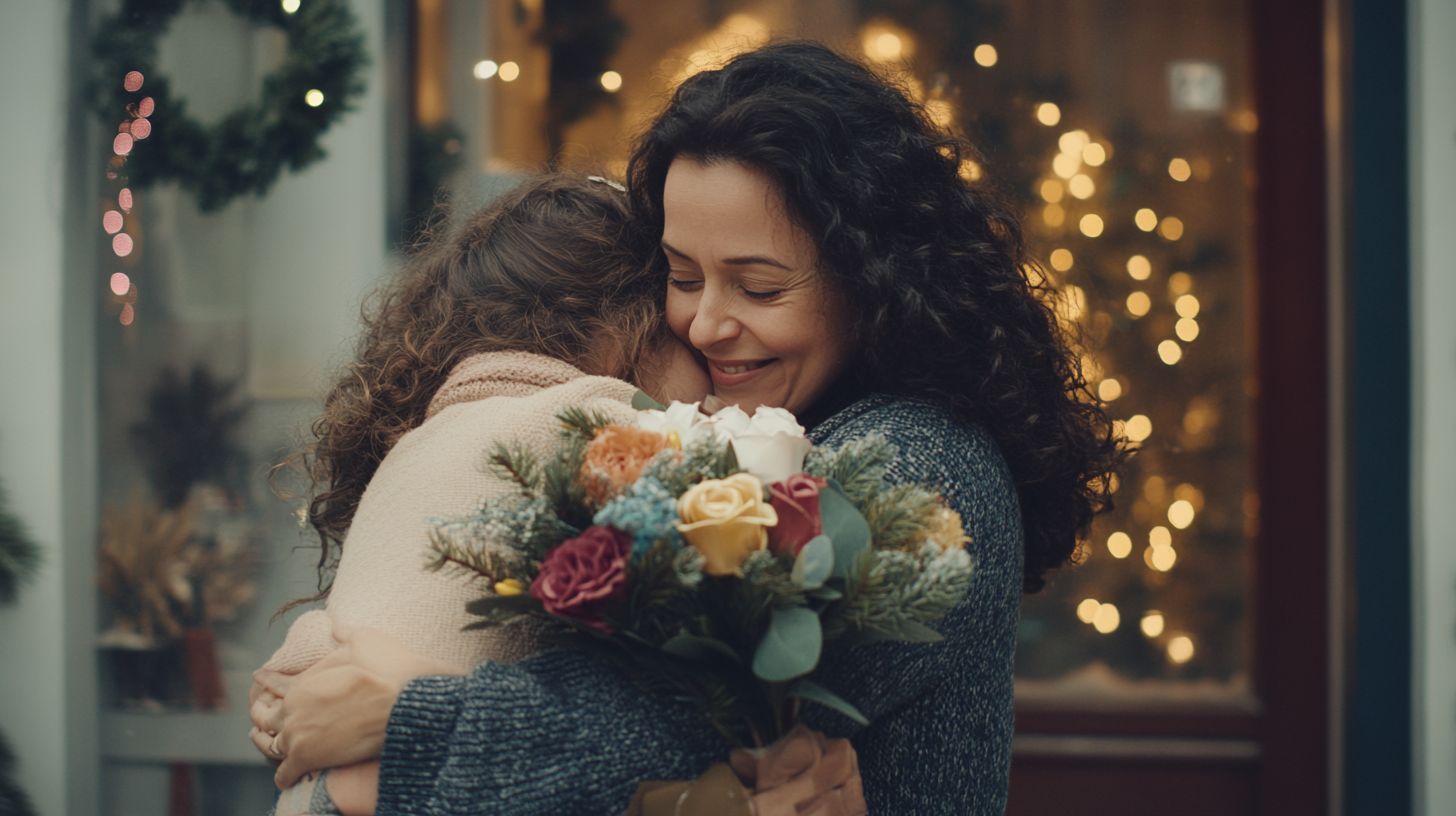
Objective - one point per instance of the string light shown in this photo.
(121, 244)
(485, 69)
(1179, 283)
(314, 98)
(1180, 514)
(1179, 170)
(1146, 220)
(120, 284)
(1051, 191)
(509, 71)
(1180, 649)
(1066, 165)
(1170, 352)
(1087, 610)
(1093, 155)
(1054, 215)
(985, 55)
(1187, 329)
(1152, 623)
(291, 6)
(1119, 544)
(1139, 427)
(1109, 390)
(1138, 268)
(1061, 260)
(1171, 228)
(1048, 113)
(1091, 225)
(1138, 304)
(1073, 141)
(1081, 186)
(1107, 619)
(612, 81)
(1186, 305)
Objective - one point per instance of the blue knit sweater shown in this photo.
(568, 733)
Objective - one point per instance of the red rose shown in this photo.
(796, 499)
(584, 574)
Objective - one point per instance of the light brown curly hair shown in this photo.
(552, 267)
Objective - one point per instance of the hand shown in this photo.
(335, 713)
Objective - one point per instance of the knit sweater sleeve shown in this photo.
(562, 732)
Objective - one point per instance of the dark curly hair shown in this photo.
(940, 289)
(554, 267)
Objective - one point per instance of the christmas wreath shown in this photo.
(315, 85)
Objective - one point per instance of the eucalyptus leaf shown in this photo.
(844, 526)
(902, 631)
(809, 690)
(814, 562)
(790, 648)
(642, 402)
(701, 649)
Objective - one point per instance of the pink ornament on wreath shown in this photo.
(585, 574)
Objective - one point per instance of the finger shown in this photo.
(274, 682)
(262, 711)
(263, 741)
(289, 772)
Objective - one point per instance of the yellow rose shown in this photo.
(727, 520)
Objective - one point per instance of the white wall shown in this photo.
(47, 447)
(1433, 306)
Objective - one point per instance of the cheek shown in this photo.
(680, 312)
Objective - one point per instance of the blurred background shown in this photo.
(1246, 206)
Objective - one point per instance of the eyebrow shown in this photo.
(737, 260)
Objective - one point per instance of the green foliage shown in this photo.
(19, 554)
(249, 148)
(844, 526)
(13, 801)
(791, 646)
(858, 466)
(901, 516)
(188, 433)
(518, 464)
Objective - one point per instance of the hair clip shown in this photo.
(614, 185)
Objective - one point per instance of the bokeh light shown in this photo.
(1180, 649)
(485, 69)
(1061, 260)
(1048, 113)
(1081, 186)
(1179, 169)
(1139, 268)
(1091, 225)
(290, 6)
(1073, 141)
(120, 284)
(146, 107)
(1179, 283)
(1187, 329)
(1109, 390)
(140, 129)
(1170, 352)
(1066, 165)
(1180, 514)
(986, 55)
(1138, 304)
(133, 81)
(1146, 220)
(1171, 228)
(1093, 155)
(1152, 623)
(1186, 306)
(1138, 428)
(1087, 610)
(121, 145)
(1107, 619)
(1119, 544)
(314, 98)
(127, 314)
(1051, 191)
(612, 81)
(124, 199)
(121, 244)
(1054, 215)
(509, 71)
(111, 222)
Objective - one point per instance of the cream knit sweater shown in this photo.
(436, 471)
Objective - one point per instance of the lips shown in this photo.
(736, 372)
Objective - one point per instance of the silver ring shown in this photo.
(273, 747)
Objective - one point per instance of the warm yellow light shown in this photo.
(1091, 225)
(940, 112)
(1186, 329)
(1073, 141)
(970, 171)
(1094, 155)
(1146, 220)
(1074, 303)
(1138, 304)
(314, 98)
(1087, 610)
(1179, 169)
(1139, 428)
(1061, 260)
(985, 55)
(1155, 489)
(1139, 268)
(1051, 191)
(1180, 514)
(1190, 494)
(1186, 305)
(885, 47)
(1107, 619)
(1180, 649)
(1170, 352)
(1179, 283)
(612, 81)
(1202, 169)
(1109, 390)
(1066, 165)
(1246, 121)
(1161, 559)
(1081, 186)
(509, 71)
(1160, 537)
(1054, 215)
(1048, 113)
(1171, 228)
(485, 69)
(1119, 544)
(1152, 623)
(290, 6)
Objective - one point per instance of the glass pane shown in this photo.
(1122, 129)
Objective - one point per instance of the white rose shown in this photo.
(770, 445)
(683, 418)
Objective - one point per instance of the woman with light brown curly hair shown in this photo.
(539, 301)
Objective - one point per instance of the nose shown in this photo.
(713, 323)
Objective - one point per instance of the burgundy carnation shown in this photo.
(585, 574)
(796, 499)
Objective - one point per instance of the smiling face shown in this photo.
(745, 290)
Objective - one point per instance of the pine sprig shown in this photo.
(858, 465)
(19, 554)
(470, 558)
(516, 463)
(901, 516)
(579, 422)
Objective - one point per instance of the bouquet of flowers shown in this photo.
(718, 558)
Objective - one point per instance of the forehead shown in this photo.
(727, 207)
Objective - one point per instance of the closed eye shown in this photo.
(683, 284)
(763, 295)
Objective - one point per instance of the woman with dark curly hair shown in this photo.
(821, 252)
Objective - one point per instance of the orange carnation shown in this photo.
(615, 458)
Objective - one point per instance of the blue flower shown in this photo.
(647, 511)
